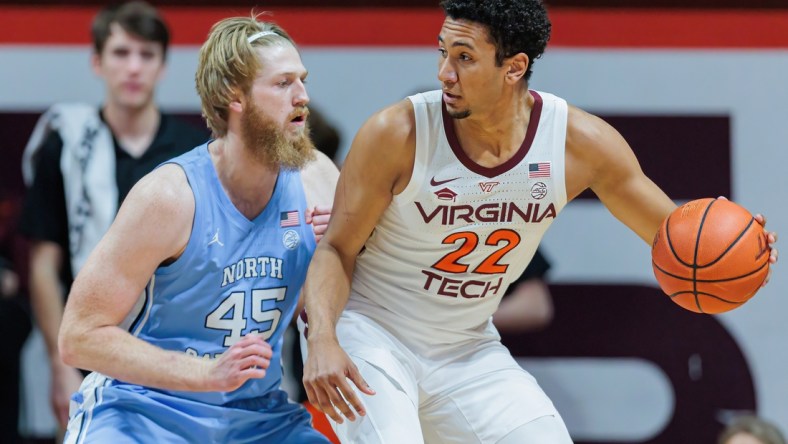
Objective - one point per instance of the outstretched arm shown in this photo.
(597, 157)
(152, 227)
(377, 167)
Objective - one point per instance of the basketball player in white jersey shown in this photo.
(442, 202)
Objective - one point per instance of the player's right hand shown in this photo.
(246, 359)
(65, 381)
(326, 373)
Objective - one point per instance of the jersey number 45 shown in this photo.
(231, 314)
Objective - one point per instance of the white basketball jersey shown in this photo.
(447, 247)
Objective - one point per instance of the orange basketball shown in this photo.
(710, 255)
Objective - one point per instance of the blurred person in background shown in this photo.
(81, 161)
(527, 304)
(750, 429)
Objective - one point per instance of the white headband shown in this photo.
(254, 37)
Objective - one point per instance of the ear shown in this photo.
(518, 66)
(237, 104)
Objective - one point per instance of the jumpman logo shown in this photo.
(215, 239)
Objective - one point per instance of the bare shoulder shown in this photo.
(389, 129)
(165, 189)
(594, 151)
(385, 147)
(158, 210)
(395, 120)
(585, 131)
(319, 178)
(320, 165)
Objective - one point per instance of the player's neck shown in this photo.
(248, 182)
(134, 128)
(493, 135)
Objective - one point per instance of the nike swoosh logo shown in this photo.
(435, 183)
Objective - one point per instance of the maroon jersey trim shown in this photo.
(530, 133)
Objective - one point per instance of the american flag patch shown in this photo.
(538, 169)
(289, 219)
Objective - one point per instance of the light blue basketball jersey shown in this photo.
(235, 277)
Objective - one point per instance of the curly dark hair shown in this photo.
(514, 25)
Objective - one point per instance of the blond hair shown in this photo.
(228, 64)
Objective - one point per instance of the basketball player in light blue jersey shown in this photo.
(180, 309)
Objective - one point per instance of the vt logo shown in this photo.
(487, 187)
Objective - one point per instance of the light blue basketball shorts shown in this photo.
(123, 414)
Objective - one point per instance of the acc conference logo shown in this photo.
(290, 239)
(539, 190)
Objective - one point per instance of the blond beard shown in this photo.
(269, 145)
